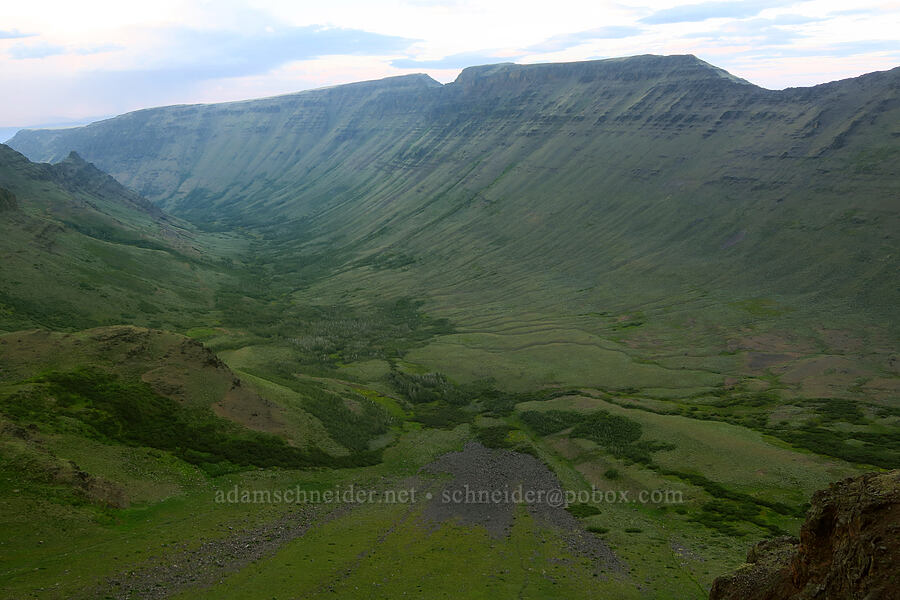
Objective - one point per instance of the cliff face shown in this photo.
(849, 548)
(584, 178)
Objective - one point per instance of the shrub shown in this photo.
(430, 387)
(493, 436)
(550, 421)
(131, 413)
(441, 416)
(583, 510)
(351, 429)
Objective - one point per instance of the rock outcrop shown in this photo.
(849, 549)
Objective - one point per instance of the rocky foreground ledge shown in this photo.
(849, 548)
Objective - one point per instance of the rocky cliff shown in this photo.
(645, 178)
(849, 548)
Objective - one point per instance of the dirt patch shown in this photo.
(823, 365)
(252, 411)
(485, 487)
(685, 554)
(734, 239)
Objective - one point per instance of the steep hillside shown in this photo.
(42, 371)
(646, 177)
(621, 277)
(651, 207)
(79, 249)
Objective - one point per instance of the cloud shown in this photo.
(217, 54)
(454, 61)
(436, 3)
(39, 50)
(713, 10)
(86, 50)
(171, 64)
(43, 50)
(12, 34)
(568, 40)
(790, 19)
(552, 44)
(213, 54)
(166, 65)
(761, 32)
(853, 11)
(840, 49)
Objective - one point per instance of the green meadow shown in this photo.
(667, 292)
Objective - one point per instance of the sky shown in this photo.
(65, 62)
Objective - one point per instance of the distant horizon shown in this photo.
(70, 62)
(7, 132)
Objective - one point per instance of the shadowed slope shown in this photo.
(79, 249)
(657, 191)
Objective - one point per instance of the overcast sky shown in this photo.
(74, 60)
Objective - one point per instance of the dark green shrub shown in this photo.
(550, 421)
(116, 411)
(441, 416)
(583, 510)
(493, 436)
(430, 387)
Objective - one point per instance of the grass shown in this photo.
(304, 428)
(359, 557)
(713, 449)
(444, 299)
(113, 411)
(441, 416)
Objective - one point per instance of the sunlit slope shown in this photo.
(645, 179)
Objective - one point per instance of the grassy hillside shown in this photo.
(625, 276)
(109, 487)
(79, 250)
(663, 167)
(657, 193)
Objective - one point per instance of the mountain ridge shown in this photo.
(640, 277)
(79, 249)
(649, 174)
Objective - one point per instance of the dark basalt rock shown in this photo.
(849, 549)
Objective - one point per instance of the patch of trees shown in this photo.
(429, 387)
(112, 410)
(351, 429)
(618, 435)
(441, 416)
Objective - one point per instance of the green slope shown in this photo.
(79, 249)
(646, 272)
(651, 209)
(645, 177)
